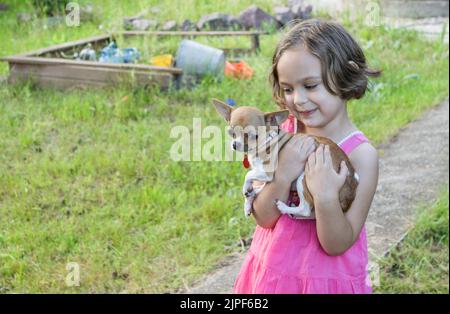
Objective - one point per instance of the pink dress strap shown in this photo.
(353, 140)
(289, 124)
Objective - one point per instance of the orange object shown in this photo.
(239, 69)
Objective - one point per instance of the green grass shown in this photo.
(87, 176)
(419, 264)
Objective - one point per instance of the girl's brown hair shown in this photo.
(344, 69)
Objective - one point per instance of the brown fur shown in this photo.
(348, 191)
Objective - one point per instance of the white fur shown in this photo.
(257, 173)
(304, 208)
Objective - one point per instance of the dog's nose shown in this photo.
(234, 145)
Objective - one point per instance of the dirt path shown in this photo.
(413, 166)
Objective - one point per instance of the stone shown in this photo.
(3, 6)
(155, 10)
(87, 13)
(255, 17)
(24, 17)
(307, 13)
(170, 26)
(136, 17)
(283, 15)
(144, 24)
(234, 23)
(128, 21)
(302, 11)
(218, 21)
(292, 3)
(188, 26)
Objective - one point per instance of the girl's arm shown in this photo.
(291, 164)
(338, 231)
(265, 211)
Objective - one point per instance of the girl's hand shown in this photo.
(293, 157)
(323, 181)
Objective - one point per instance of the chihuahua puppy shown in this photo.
(260, 137)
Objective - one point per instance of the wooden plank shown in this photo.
(100, 38)
(236, 51)
(86, 75)
(255, 43)
(48, 81)
(66, 46)
(17, 78)
(191, 33)
(101, 75)
(254, 35)
(80, 72)
(95, 64)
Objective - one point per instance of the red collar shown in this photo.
(245, 162)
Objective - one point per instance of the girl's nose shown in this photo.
(299, 98)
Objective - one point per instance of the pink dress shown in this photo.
(290, 259)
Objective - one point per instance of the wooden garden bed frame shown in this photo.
(47, 70)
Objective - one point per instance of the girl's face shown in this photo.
(306, 97)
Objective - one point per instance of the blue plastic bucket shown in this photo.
(199, 60)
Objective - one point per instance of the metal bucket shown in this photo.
(198, 60)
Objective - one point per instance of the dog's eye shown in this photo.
(230, 132)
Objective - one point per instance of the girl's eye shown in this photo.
(310, 86)
(287, 90)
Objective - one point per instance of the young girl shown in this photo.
(317, 68)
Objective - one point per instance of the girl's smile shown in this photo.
(306, 114)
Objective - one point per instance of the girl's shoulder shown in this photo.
(364, 157)
(360, 151)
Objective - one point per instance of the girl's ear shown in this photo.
(276, 117)
(223, 109)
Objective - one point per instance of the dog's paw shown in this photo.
(249, 194)
(281, 206)
(247, 208)
(301, 211)
(248, 190)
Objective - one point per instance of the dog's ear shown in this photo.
(276, 117)
(223, 109)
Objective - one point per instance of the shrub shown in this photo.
(50, 7)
